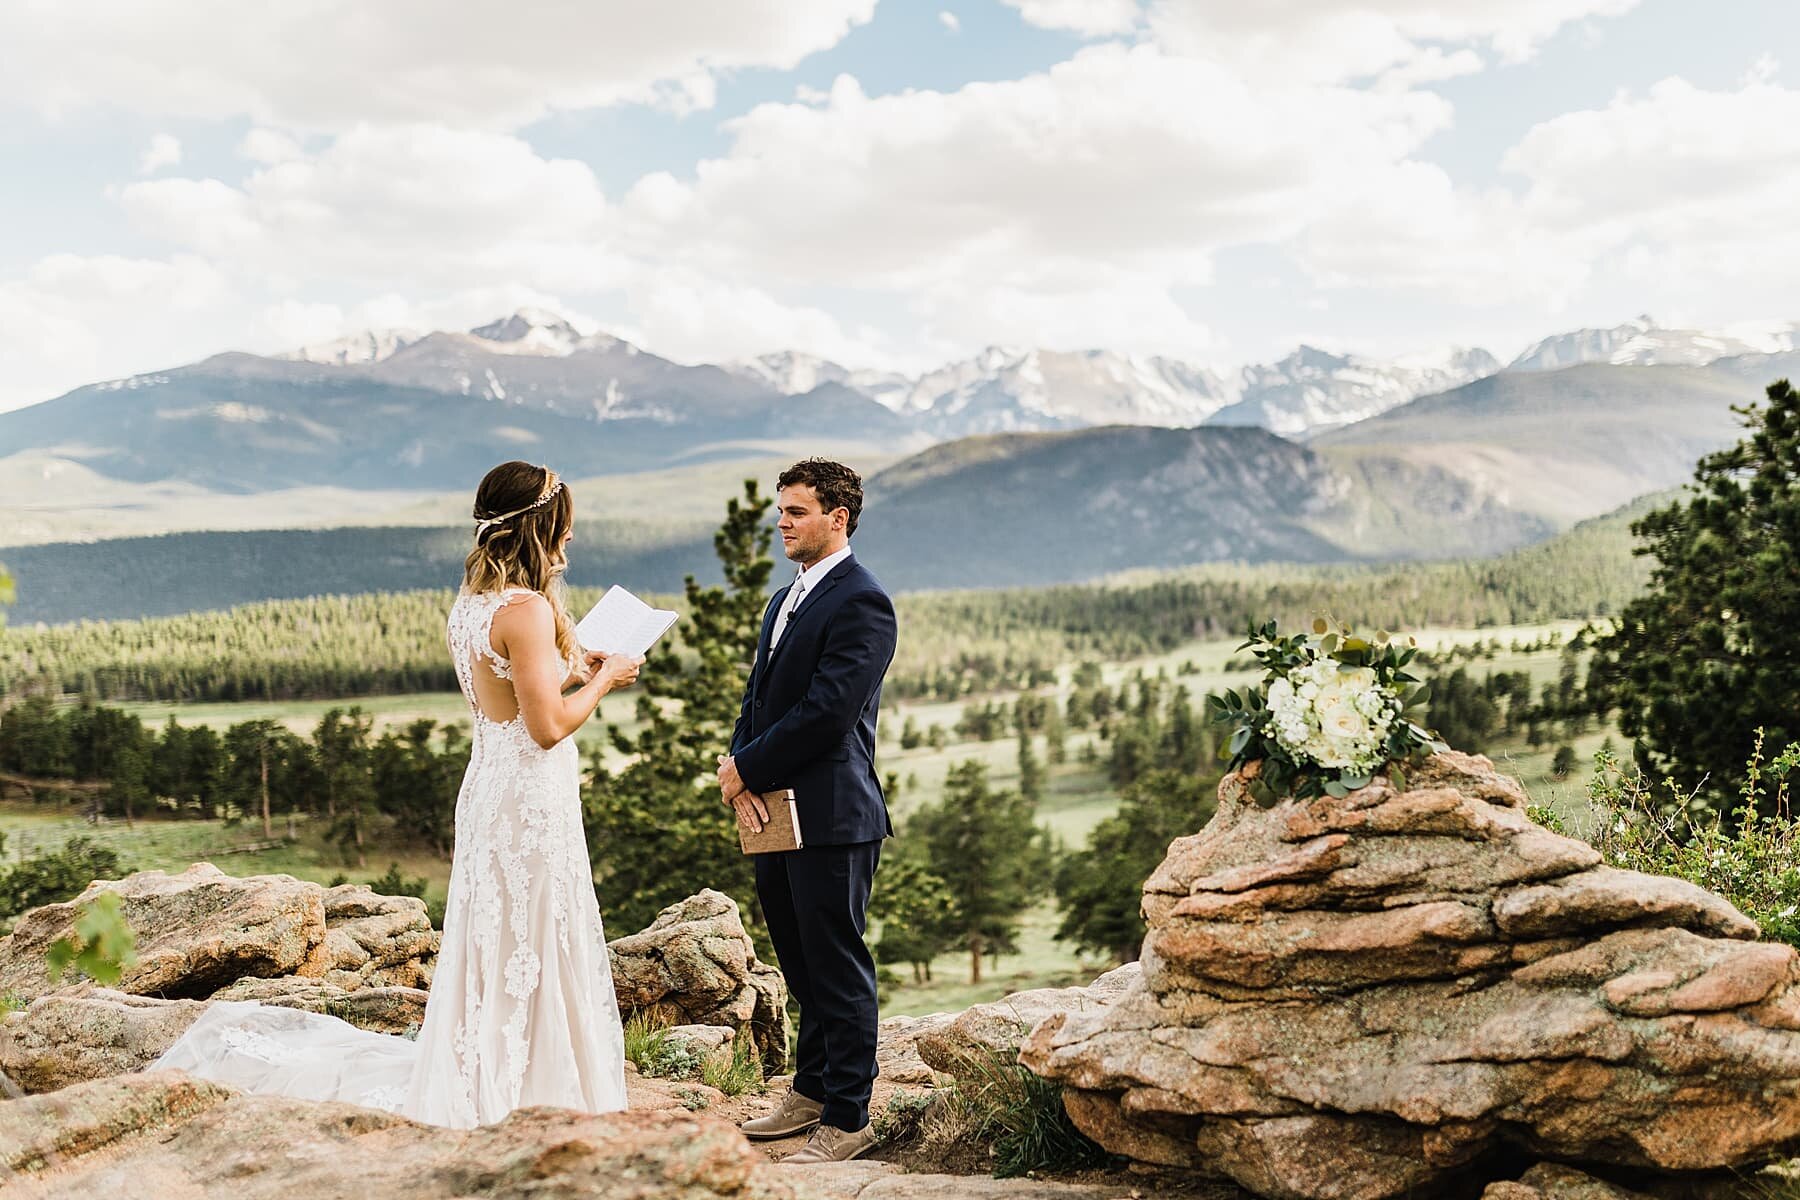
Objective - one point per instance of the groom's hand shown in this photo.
(751, 811)
(730, 782)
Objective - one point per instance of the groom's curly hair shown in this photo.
(836, 485)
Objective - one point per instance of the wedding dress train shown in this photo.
(522, 1009)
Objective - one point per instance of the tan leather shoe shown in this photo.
(831, 1144)
(795, 1114)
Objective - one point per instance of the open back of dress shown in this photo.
(522, 1009)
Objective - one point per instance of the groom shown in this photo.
(808, 723)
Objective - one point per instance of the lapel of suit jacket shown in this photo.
(810, 602)
(768, 629)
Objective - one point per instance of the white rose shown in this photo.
(1343, 721)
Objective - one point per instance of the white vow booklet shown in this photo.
(623, 624)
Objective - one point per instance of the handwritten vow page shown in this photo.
(623, 624)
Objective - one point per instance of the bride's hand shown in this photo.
(615, 670)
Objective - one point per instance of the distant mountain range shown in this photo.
(1027, 466)
(1503, 462)
(404, 409)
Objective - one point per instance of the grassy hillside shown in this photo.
(1550, 447)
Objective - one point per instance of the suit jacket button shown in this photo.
(759, 704)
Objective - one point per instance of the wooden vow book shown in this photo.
(781, 832)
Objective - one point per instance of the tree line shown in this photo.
(396, 789)
(953, 644)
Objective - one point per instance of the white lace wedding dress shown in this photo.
(522, 1009)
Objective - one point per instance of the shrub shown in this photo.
(740, 1073)
(53, 876)
(1751, 857)
(994, 1100)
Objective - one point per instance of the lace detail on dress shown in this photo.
(388, 1098)
(261, 1047)
(520, 880)
(522, 1009)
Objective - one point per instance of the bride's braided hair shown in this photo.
(522, 513)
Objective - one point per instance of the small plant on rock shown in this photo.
(739, 1073)
(101, 946)
(1752, 857)
(995, 1100)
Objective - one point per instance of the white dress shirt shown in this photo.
(804, 583)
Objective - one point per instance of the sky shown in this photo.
(888, 183)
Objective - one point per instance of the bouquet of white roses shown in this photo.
(1330, 713)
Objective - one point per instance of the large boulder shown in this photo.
(378, 941)
(202, 930)
(970, 1041)
(695, 965)
(197, 931)
(398, 1010)
(84, 1032)
(71, 1037)
(1347, 998)
(163, 1134)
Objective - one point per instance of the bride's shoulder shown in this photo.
(501, 597)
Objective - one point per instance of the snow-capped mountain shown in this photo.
(357, 349)
(1313, 390)
(1644, 343)
(535, 331)
(1004, 389)
(793, 373)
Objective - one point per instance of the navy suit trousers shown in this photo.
(828, 968)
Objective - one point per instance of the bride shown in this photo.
(522, 1009)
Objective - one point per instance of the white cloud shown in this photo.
(1657, 199)
(1691, 188)
(1763, 70)
(330, 64)
(1030, 209)
(950, 21)
(1335, 40)
(269, 147)
(690, 316)
(1090, 18)
(164, 150)
(73, 319)
(413, 209)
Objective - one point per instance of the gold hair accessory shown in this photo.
(556, 486)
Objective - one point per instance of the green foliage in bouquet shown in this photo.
(1333, 710)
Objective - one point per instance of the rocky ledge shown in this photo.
(203, 935)
(1348, 999)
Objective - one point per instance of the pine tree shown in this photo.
(917, 913)
(1710, 654)
(986, 847)
(1100, 888)
(657, 832)
(341, 746)
(1031, 771)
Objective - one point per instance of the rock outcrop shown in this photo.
(202, 930)
(1548, 1181)
(695, 965)
(377, 941)
(71, 1037)
(398, 1010)
(1343, 999)
(196, 932)
(993, 1032)
(347, 951)
(164, 1134)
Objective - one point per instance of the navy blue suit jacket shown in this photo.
(809, 712)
